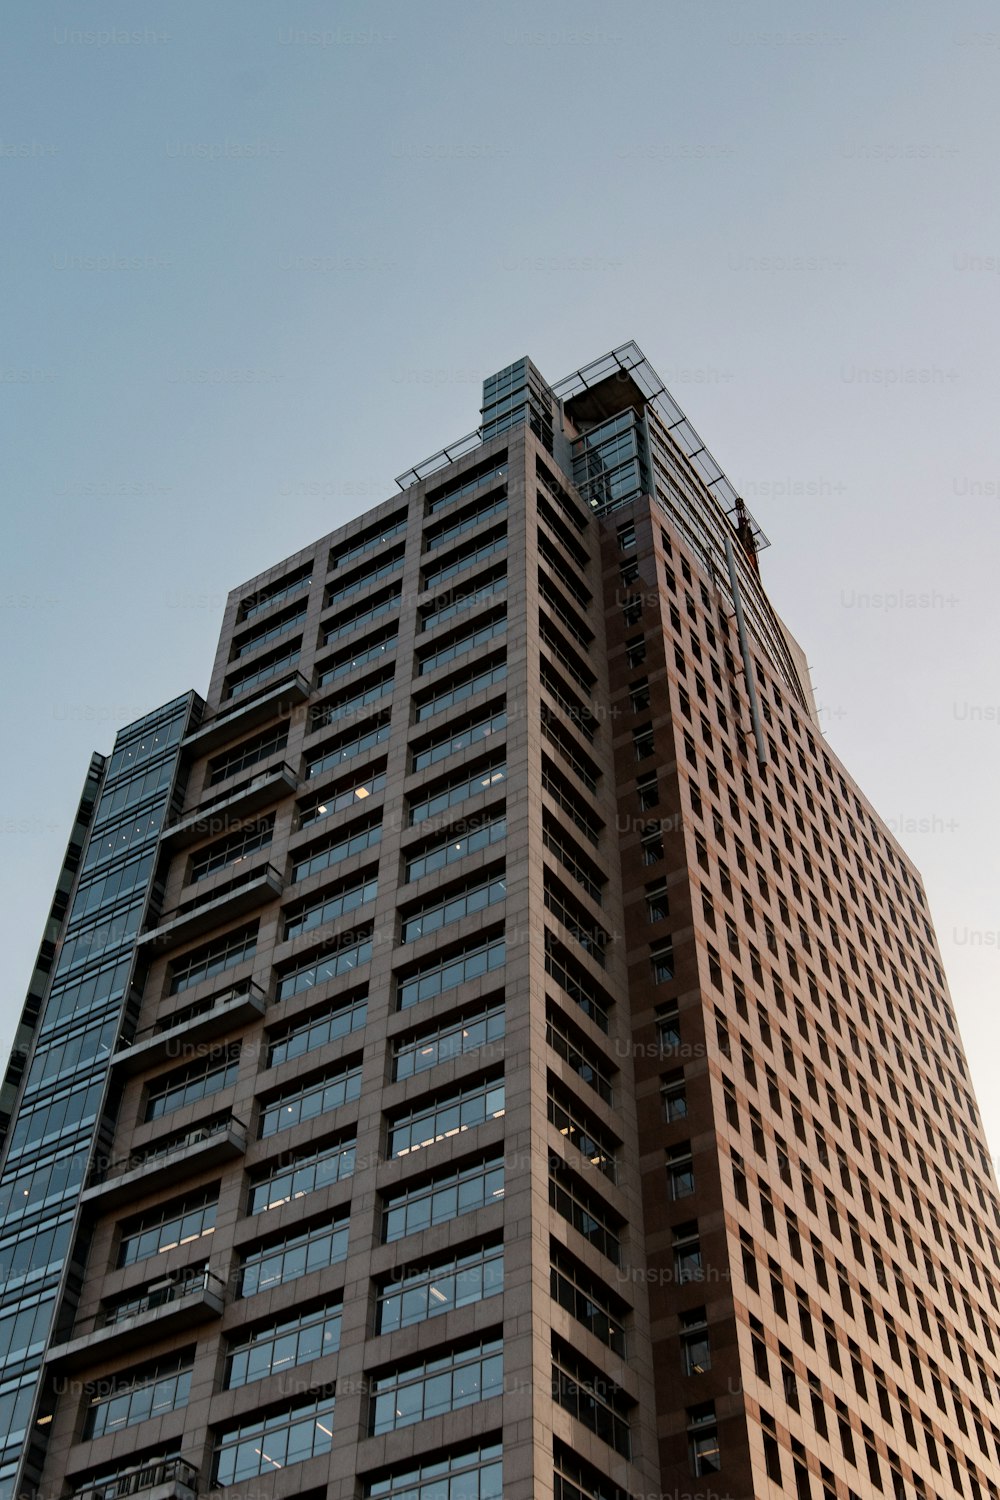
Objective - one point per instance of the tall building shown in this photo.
(490, 1045)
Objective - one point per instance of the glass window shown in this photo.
(167, 1227)
(345, 961)
(703, 1439)
(590, 1396)
(418, 1392)
(281, 1345)
(680, 1170)
(418, 1293)
(258, 1447)
(310, 1100)
(320, 1027)
(213, 958)
(475, 898)
(696, 1352)
(444, 1197)
(190, 1084)
(346, 841)
(295, 1255)
(329, 905)
(303, 1174)
(661, 961)
(468, 963)
(454, 792)
(346, 749)
(674, 1099)
(471, 836)
(450, 1039)
(687, 1253)
(455, 1113)
(476, 1475)
(139, 1396)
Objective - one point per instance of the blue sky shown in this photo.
(259, 257)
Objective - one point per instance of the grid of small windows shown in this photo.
(474, 834)
(416, 1393)
(214, 958)
(198, 1081)
(476, 1475)
(470, 962)
(319, 1028)
(306, 1172)
(295, 1255)
(327, 906)
(281, 1345)
(279, 662)
(453, 1038)
(427, 1123)
(167, 1227)
(589, 1395)
(432, 917)
(290, 1436)
(308, 1101)
(417, 1293)
(138, 1397)
(445, 1196)
(335, 966)
(247, 754)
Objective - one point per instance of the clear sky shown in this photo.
(259, 255)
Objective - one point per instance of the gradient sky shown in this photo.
(259, 256)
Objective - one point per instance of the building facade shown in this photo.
(489, 1045)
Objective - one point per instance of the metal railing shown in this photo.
(148, 1476)
(158, 1154)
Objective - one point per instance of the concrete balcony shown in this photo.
(198, 1149)
(227, 1011)
(158, 1479)
(262, 790)
(166, 1307)
(231, 723)
(243, 895)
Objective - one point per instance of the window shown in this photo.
(589, 1139)
(661, 962)
(465, 521)
(324, 804)
(638, 696)
(296, 1255)
(344, 961)
(651, 845)
(635, 651)
(346, 841)
(428, 1123)
(350, 705)
(320, 1027)
(648, 791)
(470, 962)
(477, 1475)
(138, 1396)
(474, 898)
(167, 1227)
(415, 1393)
(687, 1253)
(306, 1102)
(575, 1479)
(449, 1039)
(247, 754)
(461, 739)
(703, 1439)
(287, 1437)
(269, 596)
(366, 651)
(415, 1294)
(346, 748)
(304, 1174)
(325, 907)
(367, 540)
(213, 958)
(230, 851)
(464, 685)
(590, 1396)
(668, 1027)
(279, 1346)
(696, 1352)
(657, 902)
(588, 1064)
(481, 834)
(586, 1211)
(459, 645)
(674, 1097)
(680, 1171)
(190, 1084)
(444, 1197)
(364, 578)
(642, 742)
(587, 1300)
(456, 791)
(626, 537)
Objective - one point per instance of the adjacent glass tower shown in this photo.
(490, 1046)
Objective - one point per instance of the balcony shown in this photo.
(216, 817)
(197, 1150)
(225, 1012)
(159, 1479)
(164, 1308)
(244, 894)
(232, 722)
